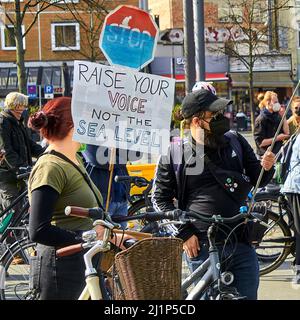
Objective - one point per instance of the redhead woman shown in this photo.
(58, 179)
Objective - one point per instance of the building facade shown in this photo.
(275, 65)
(60, 34)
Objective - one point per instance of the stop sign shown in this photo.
(128, 37)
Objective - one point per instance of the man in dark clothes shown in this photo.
(202, 193)
(16, 145)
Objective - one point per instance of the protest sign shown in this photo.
(121, 108)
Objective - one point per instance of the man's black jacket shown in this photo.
(16, 143)
(166, 188)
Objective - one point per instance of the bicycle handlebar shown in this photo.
(93, 213)
(23, 172)
(67, 251)
(138, 181)
(177, 214)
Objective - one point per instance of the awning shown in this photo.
(208, 76)
(263, 79)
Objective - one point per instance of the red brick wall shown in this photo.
(32, 40)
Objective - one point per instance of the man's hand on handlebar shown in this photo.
(192, 246)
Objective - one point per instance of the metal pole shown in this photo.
(198, 6)
(189, 45)
(270, 25)
(146, 7)
(40, 96)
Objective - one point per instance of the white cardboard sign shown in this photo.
(121, 108)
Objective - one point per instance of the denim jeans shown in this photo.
(118, 209)
(57, 278)
(243, 264)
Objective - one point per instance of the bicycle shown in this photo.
(138, 202)
(211, 282)
(278, 241)
(14, 260)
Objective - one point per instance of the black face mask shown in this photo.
(297, 112)
(219, 125)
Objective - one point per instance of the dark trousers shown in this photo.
(242, 263)
(294, 200)
(57, 278)
(9, 191)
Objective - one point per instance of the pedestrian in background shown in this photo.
(291, 188)
(16, 147)
(266, 125)
(97, 160)
(294, 120)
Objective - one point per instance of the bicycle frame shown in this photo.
(92, 289)
(207, 273)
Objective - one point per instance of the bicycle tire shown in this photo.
(281, 243)
(16, 276)
(137, 207)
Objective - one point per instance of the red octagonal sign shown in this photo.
(128, 38)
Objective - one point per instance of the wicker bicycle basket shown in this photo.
(149, 270)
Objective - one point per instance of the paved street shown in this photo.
(277, 285)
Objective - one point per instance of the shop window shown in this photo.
(65, 36)
(8, 41)
(12, 79)
(3, 77)
(32, 75)
(46, 76)
(56, 77)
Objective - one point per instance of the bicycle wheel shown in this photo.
(275, 245)
(15, 270)
(138, 207)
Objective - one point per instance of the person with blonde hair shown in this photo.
(260, 98)
(294, 120)
(267, 122)
(16, 146)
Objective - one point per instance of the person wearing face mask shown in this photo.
(266, 125)
(294, 120)
(17, 146)
(209, 178)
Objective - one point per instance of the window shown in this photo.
(12, 79)
(3, 77)
(8, 41)
(51, 75)
(47, 75)
(56, 77)
(32, 75)
(65, 36)
(230, 14)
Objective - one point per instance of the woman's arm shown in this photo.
(43, 201)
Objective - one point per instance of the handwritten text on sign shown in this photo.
(121, 108)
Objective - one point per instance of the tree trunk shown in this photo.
(20, 50)
(251, 100)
